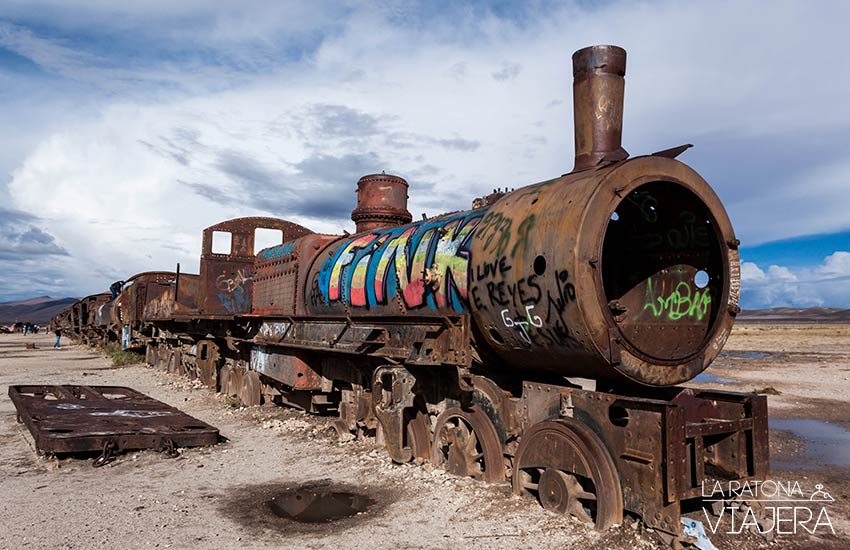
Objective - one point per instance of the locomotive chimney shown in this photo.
(381, 203)
(598, 84)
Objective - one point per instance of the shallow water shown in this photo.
(824, 443)
(706, 376)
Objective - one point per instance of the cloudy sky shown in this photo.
(127, 127)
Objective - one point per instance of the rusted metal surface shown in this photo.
(226, 279)
(288, 367)
(381, 203)
(598, 89)
(280, 275)
(178, 301)
(67, 419)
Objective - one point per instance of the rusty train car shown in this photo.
(539, 337)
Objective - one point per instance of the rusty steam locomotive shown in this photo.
(538, 337)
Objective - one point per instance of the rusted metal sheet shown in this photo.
(227, 279)
(137, 291)
(289, 368)
(66, 419)
(598, 88)
(279, 275)
(180, 299)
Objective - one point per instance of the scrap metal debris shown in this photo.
(109, 419)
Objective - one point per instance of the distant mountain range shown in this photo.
(35, 310)
(795, 315)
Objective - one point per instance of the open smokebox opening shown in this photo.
(663, 271)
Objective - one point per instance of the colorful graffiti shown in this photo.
(232, 290)
(425, 264)
(680, 303)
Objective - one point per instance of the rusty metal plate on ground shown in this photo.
(67, 419)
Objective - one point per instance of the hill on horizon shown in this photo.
(33, 310)
(795, 315)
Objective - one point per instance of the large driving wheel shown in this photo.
(466, 444)
(565, 465)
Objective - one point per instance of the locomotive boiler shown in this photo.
(538, 337)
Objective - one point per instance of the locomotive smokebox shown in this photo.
(381, 203)
(598, 87)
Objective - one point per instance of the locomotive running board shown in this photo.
(70, 419)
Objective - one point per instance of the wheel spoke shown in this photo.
(471, 443)
(576, 509)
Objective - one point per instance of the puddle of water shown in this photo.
(705, 376)
(308, 506)
(825, 443)
(746, 354)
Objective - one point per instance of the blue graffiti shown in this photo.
(278, 251)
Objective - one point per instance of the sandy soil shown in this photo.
(218, 497)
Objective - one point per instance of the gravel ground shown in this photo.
(219, 497)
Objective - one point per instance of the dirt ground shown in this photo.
(219, 497)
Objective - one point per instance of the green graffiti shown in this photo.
(522, 234)
(681, 303)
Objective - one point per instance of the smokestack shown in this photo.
(381, 203)
(598, 84)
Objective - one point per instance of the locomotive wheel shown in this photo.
(566, 465)
(466, 444)
(231, 380)
(419, 435)
(175, 365)
(150, 354)
(251, 389)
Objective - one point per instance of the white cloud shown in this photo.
(827, 284)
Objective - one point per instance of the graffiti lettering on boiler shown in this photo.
(426, 264)
(680, 303)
